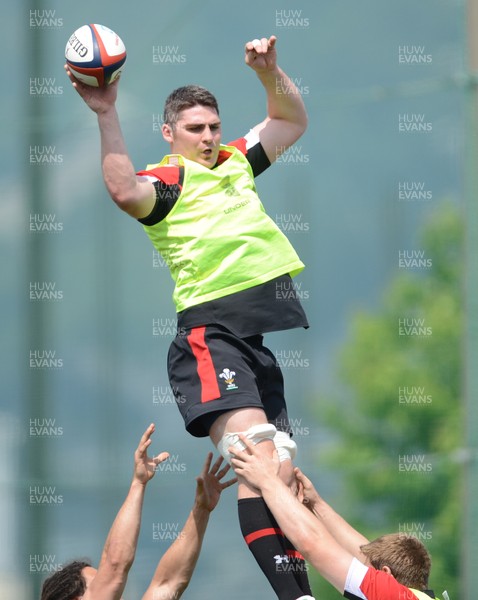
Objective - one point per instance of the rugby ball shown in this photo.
(95, 55)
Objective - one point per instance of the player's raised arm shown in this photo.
(120, 547)
(176, 567)
(286, 117)
(135, 195)
(348, 537)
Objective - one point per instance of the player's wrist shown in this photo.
(139, 482)
(269, 74)
(267, 482)
(200, 510)
(321, 509)
(106, 112)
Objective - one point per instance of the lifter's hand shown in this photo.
(144, 465)
(209, 485)
(307, 493)
(261, 54)
(254, 465)
(99, 99)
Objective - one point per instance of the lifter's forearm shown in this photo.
(348, 537)
(119, 550)
(176, 567)
(306, 532)
(120, 546)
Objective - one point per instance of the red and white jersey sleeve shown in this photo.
(245, 143)
(252, 149)
(366, 583)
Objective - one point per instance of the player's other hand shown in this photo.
(261, 54)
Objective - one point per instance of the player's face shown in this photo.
(196, 135)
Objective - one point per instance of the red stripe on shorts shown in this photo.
(255, 535)
(205, 366)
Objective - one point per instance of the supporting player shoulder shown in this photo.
(367, 583)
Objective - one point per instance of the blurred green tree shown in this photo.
(399, 424)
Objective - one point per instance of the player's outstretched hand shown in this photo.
(252, 464)
(261, 54)
(99, 99)
(209, 484)
(144, 465)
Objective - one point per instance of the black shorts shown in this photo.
(212, 371)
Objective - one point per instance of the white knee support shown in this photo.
(256, 433)
(285, 446)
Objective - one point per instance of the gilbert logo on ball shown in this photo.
(95, 55)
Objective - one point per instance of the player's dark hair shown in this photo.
(405, 555)
(67, 583)
(187, 97)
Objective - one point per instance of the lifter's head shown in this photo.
(403, 556)
(68, 583)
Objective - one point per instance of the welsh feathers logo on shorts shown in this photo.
(228, 377)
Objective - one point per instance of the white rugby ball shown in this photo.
(95, 55)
